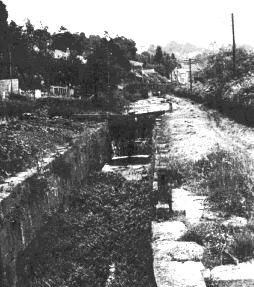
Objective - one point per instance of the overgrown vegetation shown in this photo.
(24, 143)
(159, 60)
(229, 181)
(223, 245)
(108, 221)
(219, 70)
(224, 176)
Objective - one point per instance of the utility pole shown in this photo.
(190, 75)
(233, 48)
(107, 37)
(10, 68)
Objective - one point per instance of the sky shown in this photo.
(205, 23)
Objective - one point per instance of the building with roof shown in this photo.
(9, 86)
(182, 75)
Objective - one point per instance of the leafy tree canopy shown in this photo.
(219, 66)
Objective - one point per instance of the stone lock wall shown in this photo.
(26, 203)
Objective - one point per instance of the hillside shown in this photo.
(181, 50)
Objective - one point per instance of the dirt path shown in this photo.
(194, 131)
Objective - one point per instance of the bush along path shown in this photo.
(208, 241)
(108, 223)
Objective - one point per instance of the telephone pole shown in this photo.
(10, 60)
(107, 37)
(233, 48)
(190, 75)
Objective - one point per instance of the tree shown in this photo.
(81, 43)
(145, 57)
(127, 46)
(3, 14)
(106, 66)
(170, 63)
(219, 66)
(42, 40)
(166, 65)
(63, 40)
(4, 59)
(158, 58)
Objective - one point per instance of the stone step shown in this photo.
(241, 275)
(192, 204)
(168, 230)
(178, 250)
(178, 274)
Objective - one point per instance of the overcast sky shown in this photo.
(200, 22)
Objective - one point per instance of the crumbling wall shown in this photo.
(26, 204)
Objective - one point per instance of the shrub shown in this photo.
(16, 97)
(224, 176)
(243, 245)
(205, 233)
(230, 184)
(213, 237)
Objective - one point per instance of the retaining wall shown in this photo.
(27, 201)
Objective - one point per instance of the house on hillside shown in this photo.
(148, 71)
(8, 86)
(59, 54)
(82, 59)
(61, 91)
(136, 65)
(182, 75)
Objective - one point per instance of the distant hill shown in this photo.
(188, 50)
(180, 50)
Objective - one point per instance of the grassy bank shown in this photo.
(23, 144)
(226, 178)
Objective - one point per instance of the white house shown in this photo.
(61, 91)
(135, 65)
(59, 54)
(182, 75)
(9, 86)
